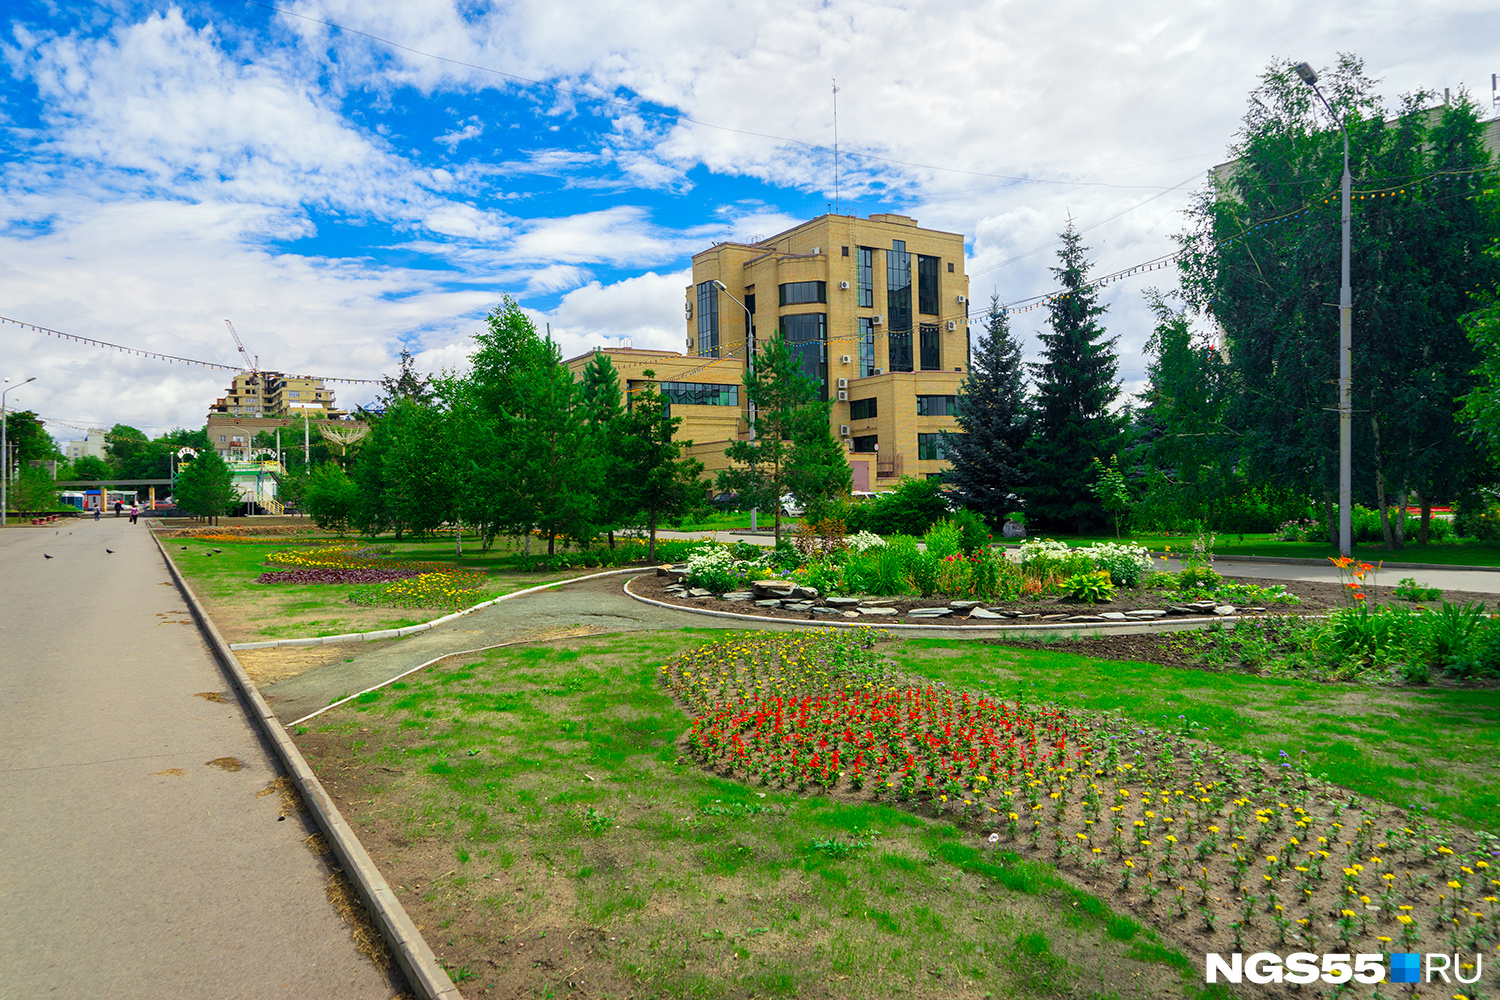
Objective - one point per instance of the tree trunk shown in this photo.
(1380, 498)
(1422, 530)
(651, 543)
(551, 544)
(458, 538)
(611, 538)
(1398, 529)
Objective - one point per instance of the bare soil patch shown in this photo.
(267, 666)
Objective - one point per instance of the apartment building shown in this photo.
(267, 401)
(877, 310)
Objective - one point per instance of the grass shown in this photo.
(731, 520)
(1462, 552)
(248, 611)
(1437, 748)
(541, 798)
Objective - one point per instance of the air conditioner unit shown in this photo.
(816, 251)
(843, 430)
(843, 383)
(880, 371)
(843, 395)
(877, 319)
(952, 325)
(962, 300)
(844, 285)
(843, 359)
(688, 307)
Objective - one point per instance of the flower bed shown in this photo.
(451, 589)
(351, 556)
(1223, 853)
(327, 575)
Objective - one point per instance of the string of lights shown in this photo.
(160, 356)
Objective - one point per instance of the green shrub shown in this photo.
(826, 575)
(1477, 517)
(910, 509)
(976, 534)
(1481, 656)
(1198, 577)
(1410, 590)
(943, 539)
(1092, 587)
(924, 573)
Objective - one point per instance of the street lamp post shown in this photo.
(5, 451)
(1346, 348)
(750, 362)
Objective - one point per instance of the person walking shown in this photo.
(96, 513)
(119, 506)
(135, 512)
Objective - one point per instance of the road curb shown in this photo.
(397, 633)
(880, 623)
(423, 973)
(1386, 567)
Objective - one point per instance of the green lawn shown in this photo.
(1458, 553)
(1439, 748)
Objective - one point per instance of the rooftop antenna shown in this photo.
(835, 147)
(1494, 90)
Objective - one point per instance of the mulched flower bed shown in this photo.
(328, 575)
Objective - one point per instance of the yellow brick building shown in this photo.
(877, 309)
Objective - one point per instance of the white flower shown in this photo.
(994, 838)
(865, 540)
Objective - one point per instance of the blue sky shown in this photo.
(342, 178)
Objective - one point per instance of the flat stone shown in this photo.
(700, 592)
(826, 611)
(1113, 616)
(766, 588)
(982, 613)
(805, 593)
(1203, 605)
(1177, 609)
(799, 605)
(1052, 618)
(877, 611)
(851, 614)
(739, 595)
(1225, 609)
(929, 612)
(963, 605)
(1082, 618)
(1145, 615)
(768, 604)
(842, 602)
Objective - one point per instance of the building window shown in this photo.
(898, 289)
(927, 285)
(865, 277)
(932, 446)
(221, 438)
(807, 338)
(846, 251)
(862, 409)
(950, 267)
(936, 406)
(795, 293)
(931, 351)
(866, 366)
(708, 320)
(866, 444)
(294, 395)
(899, 345)
(700, 393)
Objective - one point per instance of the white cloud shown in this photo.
(646, 310)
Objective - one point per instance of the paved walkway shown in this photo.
(129, 865)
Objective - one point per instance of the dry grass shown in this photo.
(230, 764)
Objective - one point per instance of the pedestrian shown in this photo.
(135, 512)
(96, 513)
(119, 506)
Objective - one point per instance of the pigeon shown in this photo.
(110, 551)
(218, 550)
(46, 556)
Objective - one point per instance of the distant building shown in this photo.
(91, 445)
(267, 401)
(877, 310)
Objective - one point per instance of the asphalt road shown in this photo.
(130, 866)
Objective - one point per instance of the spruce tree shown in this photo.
(1075, 385)
(995, 416)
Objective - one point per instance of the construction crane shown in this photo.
(252, 365)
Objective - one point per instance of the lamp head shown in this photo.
(1306, 72)
(720, 285)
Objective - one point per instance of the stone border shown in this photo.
(397, 633)
(418, 963)
(880, 622)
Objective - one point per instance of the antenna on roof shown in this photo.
(835, 147)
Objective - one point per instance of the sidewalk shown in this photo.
(131, 866)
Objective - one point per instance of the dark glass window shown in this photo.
(950, 267)
(807, 337)
(932, 446)
(708, 320)
(866, 444)
(898, 291)
(700, 393)
(797, 292)
(846, 251)
(936, 406)
(931, 348)
(927, 285)
(900, 350)
(866, 365)
(862, 409)
(865, 277)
